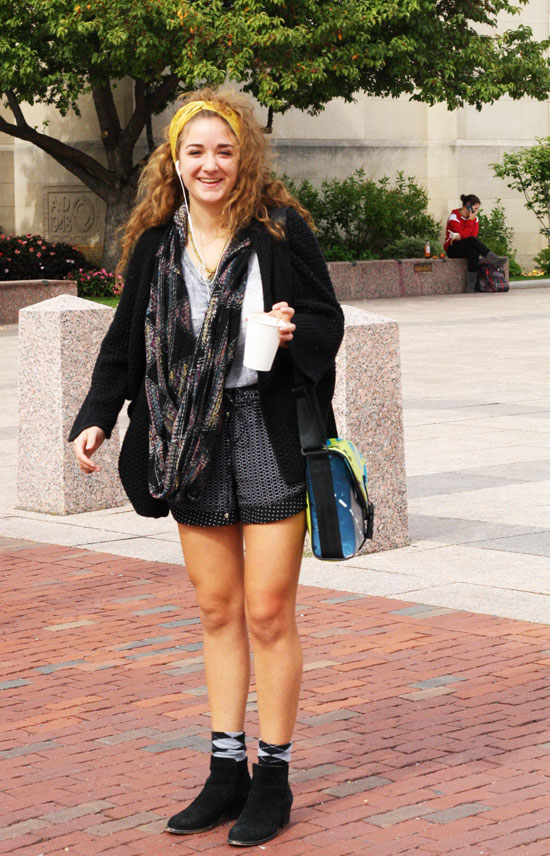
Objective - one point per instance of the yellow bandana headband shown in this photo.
(190, 110)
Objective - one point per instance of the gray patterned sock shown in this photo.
(229, 744)
(273, 754)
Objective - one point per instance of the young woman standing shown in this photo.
(213, 442)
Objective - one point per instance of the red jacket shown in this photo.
(465, 227)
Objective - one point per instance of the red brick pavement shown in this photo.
(422, 732)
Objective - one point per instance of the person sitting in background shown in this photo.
(462, 242)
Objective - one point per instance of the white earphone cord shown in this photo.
(188, 212)
(203, 266)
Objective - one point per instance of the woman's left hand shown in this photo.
(284, 312)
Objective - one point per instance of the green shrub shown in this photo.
(96, 283)
(32, 257)
(337, 252)
(529, 172)
(495, 232)
(543, 260)
(356, 217)
(410, 248)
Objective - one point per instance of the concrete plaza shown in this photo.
(476, 395)
(423, 727)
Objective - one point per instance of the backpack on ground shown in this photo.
(490, 278)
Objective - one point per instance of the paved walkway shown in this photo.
(477, 441)
(424, 727)
(421, 731)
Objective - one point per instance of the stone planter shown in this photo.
(398, 278)
(16, 294)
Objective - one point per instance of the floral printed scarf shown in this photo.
(185, 377)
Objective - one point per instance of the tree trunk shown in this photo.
(116, 215)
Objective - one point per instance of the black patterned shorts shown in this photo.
(244, 482)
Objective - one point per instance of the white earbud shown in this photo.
(178, 168)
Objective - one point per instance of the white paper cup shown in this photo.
(262, 341)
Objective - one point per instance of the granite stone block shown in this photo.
(16, 294)
(58, 344)
(369, 412)
(59, 341)
(369, 280)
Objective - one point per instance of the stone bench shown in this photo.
(398, 278)
(58, 343)
(16, 294)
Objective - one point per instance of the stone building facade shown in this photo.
(448, 152)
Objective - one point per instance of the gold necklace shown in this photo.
(209, 272)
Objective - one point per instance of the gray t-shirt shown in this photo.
(197, 289)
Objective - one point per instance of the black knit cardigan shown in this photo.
(119, 372)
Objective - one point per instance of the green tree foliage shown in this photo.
(357, 218)
(498, 235)
(528, 171)
(288, 53)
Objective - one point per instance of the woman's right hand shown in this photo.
(87, 442)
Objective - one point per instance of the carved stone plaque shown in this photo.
(73, 214)
(423, 267)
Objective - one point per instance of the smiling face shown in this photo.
(208, 156)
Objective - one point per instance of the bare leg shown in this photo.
(272, 566)
(215, 564)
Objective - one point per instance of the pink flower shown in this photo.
(18, 251)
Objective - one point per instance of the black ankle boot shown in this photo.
(267, 808)
(223, 796)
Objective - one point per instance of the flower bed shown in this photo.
(97, 283)
(32, 257)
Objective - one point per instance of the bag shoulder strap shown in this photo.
(310, 423)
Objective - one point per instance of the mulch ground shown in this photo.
(421, 731)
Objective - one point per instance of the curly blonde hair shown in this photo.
(159, 192)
